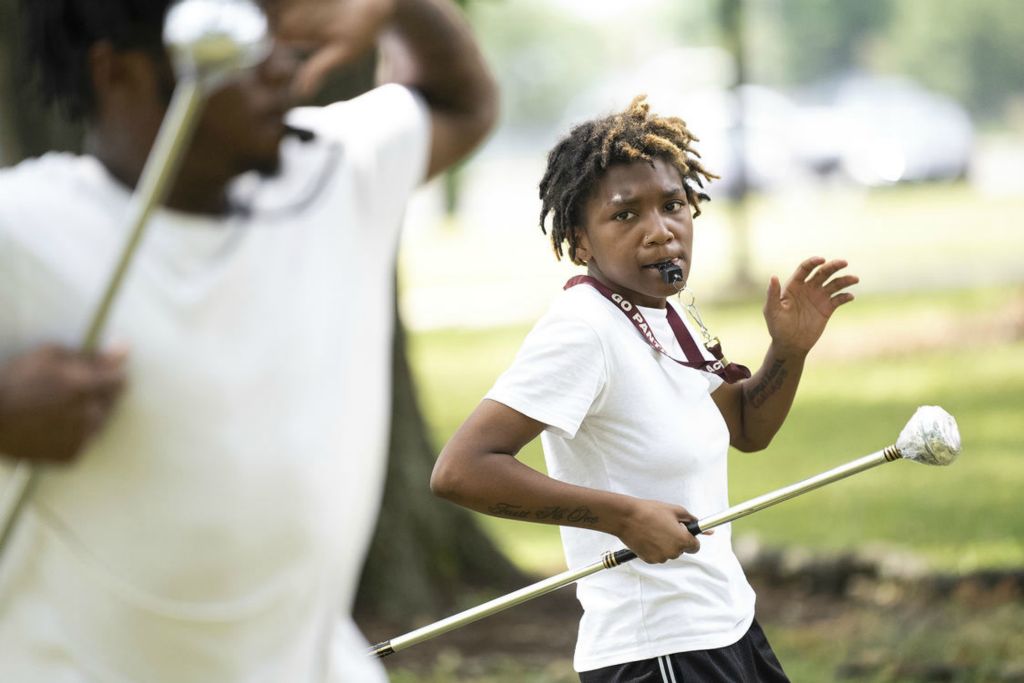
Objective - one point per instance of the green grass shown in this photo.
(856, 395)
(973, 643)
(960, 518)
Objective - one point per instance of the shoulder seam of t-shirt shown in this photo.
(555, 426)
(614, 318)
(606, 373)
(573, 317)
(600, 342)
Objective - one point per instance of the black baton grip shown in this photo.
(623, 556)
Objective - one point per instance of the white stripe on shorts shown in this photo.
(666, 666)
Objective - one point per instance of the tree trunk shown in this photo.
(425, 549)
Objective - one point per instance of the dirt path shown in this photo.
(837, 618)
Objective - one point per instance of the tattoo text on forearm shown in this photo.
(768, 385)
(554, 513)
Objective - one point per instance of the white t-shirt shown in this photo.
(622, 417)
(216, 530)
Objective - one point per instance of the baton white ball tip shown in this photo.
(930, 437)
(214, 36)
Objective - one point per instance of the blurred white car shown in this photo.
(879, 131)
(871, 130)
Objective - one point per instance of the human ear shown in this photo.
(122, 78)
(101, 59)
(582, 247)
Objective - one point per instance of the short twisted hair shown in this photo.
(577, 163)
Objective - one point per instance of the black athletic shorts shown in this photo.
(749, 660)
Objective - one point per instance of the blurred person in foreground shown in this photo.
(635, 417)
(212, 484)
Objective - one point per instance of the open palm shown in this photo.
(797, 314)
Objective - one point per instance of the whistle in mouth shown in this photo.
(670, 272)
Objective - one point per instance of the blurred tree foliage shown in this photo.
(972, 51)
(796, 41)
(540, 57)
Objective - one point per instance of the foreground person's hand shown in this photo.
(332, 32)
(54, 400)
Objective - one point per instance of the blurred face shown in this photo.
(242, 124)
(636, 218)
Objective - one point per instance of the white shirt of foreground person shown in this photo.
(216, 529)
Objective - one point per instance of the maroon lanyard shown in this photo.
(730, 372)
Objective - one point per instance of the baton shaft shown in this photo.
(793, 490)
(152, 188)
(614, 559)
(609, 560)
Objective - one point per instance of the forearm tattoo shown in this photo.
(768, 385)
(554, 513)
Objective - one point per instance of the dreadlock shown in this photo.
(59, 34)
(577, 163)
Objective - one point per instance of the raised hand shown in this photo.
(54, 400)
(796, 315)
(333, 32)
